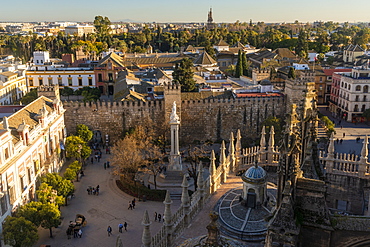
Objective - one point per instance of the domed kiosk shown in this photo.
(254, 187)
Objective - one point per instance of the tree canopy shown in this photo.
(19, 232)
(76, 147)
(183, 74)
(63, 186)
(84, 132)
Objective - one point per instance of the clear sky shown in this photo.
(186, 10)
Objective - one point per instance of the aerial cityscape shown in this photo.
(172, 124)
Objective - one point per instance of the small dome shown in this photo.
(254, 174)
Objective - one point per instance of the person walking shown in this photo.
(79, 233)
(120, 226)
(133, 204)
(159, 217)
(125, 225)
(105, 166)
(69, 232)
(344, 134)
(109, 230)
(130, 205)
(155, 216)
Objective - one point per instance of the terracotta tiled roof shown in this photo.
(205, 59)
(151, 60)
(114, 57)
(284, 53)
(329, 72)
(221, 43)
(246, 95)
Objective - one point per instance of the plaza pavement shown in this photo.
(351, 130)
(109, 208)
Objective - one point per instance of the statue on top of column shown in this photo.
(174, 118)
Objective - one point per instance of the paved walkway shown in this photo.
(351, 131)
(109, 208)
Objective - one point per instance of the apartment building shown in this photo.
(31, 144)
(350, 95)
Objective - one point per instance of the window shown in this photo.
(70, 81)
(100, 77)
(40, 82)
(50, 81)
(110, 77)
(4, 204)
(366, 89)
(320, 79)
(60, 81)
(30, 82)
(21, 180)
(90, 81)
(356, 108)
(358, 88)
(363, 108)
(364, 98)
(29, 175)
(12, 194)
(7, 153)
(80, 81)
(349, 86)
(357, 98)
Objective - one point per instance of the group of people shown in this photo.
(76, 232)
(157, 217)
(131, 205)
(93, 191)
(120, 228)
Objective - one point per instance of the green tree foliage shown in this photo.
(66, 91)
(46, 194)
(291, 73)
(50, 217)
(329, 125)
(302, 45)
(366, 114)
(84, 132)
(239, 65)
(30, 212)
(278, 127)
(29, 97)
(63, 186)
(19, 232)
(89, 93)
(103, 29)
(183, 74)
(76, 148)
(75, 169)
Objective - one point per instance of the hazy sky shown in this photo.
(186, 10)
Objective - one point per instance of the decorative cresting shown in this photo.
(346, 164)
(263, 139)
(146, 238)
(200, 180)
(212, 172)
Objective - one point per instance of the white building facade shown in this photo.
(350, 94)
(31, 144)
(12, 87)
(64, 77)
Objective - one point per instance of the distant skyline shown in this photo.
(191, 11)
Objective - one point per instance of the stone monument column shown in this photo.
(175, 158)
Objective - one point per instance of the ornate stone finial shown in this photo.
(364, 151)
(212, 167)
(185, 200)
(331, 148)
(231, 146)
(200, 180)
(263, 139)
(238, 145)
(223, 155)
(213, 236)
(174, 118)
(6, 124)
(272, 138)
(146, 237)
(167, 210)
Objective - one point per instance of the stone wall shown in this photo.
(347, 188)
(200, 120)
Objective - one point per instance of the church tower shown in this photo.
(210, 24)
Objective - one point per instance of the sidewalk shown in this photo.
(109, 208)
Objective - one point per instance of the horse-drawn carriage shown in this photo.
(75, 226)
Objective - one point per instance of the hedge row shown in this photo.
(140, 191)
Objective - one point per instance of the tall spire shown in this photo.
(331, 148)
(146, 237)
(231, 146)
(263, 139)
(238, 145)
(222, 155)
(212, 167)
(272, 138)
(364, 151)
